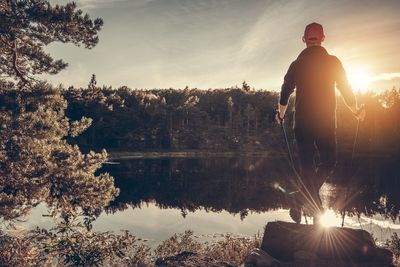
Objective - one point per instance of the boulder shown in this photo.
(291, 242)
(260, 258)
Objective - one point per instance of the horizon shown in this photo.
(153, 44)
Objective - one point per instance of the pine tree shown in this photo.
(27, 26)
(37, 164)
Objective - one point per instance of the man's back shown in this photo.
(314, 74)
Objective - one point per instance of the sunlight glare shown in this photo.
(329, 219)
(359, 79)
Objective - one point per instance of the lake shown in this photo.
(212, 194)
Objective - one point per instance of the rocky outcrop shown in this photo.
(310, 245)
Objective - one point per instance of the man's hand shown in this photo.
(360, 113)
(278, 117)
(280, 113)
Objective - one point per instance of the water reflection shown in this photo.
(243, 184)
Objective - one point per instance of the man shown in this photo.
(315, 74)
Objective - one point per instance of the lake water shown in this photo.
(166, 194)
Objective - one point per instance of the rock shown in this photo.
(304, 256)
(290, 242)
(190, 259)
(260, 258)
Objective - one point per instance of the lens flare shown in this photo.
(359, 79)
(329, 219)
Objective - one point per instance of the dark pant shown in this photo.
(317, 156)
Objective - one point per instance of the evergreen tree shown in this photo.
(36, 162)
(26, 26)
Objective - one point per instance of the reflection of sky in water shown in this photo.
(228, 186)
(154, 224)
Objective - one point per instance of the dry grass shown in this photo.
(393, 244)
(228, 248)
(124, 250)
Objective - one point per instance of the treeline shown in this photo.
(125, 119)
(232, 119)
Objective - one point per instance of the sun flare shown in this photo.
(359, 79)
(329, 219)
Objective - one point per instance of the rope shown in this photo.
(354, 143)
(292, 165)
(351, 167)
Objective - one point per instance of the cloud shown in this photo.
(386, 76)
(88, 3)
(101, 3)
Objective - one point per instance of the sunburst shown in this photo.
(359, 79)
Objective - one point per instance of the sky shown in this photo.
(221, 43)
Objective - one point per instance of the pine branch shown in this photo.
(27, 26)
(18, 72)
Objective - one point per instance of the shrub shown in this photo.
(393, 244)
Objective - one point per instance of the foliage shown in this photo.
(16, 251)
(37, 163)
(69, 243)
(178, 243)
(393, 244)
(232, 249)
(72, 244)
(231, 119)
(224, 119)
(140, 256)
(26, 26)
(229, 248)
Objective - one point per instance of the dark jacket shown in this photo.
(314, 74)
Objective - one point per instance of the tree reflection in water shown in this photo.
(246, 184)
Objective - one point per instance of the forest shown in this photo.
(231, 119)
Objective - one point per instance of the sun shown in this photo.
(359, 79)
(329, 219)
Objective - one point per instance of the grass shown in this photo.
(393, 244)
(76, 246)
(228, 247)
